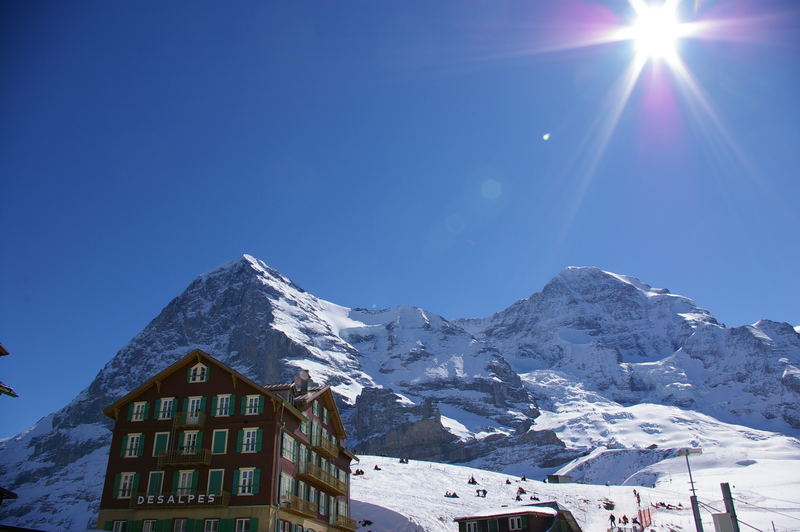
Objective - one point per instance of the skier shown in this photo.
(612, 520)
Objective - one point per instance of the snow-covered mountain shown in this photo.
(518, 391)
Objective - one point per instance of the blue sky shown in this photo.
(378, 153)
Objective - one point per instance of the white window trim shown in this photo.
(245, 522)
(213, 521)
(122, 476)
(254, 432)
(242, 471)
(221, 483)
(472, 526)
(129, 448)
(195, 373)
(150, 481)
(183, 473)
(119, 526)
(155, 439)
(138, 415)
(225, 439)
(230, 404)
(171, 411)
(247, 404)
(515, 523)
(151, 522)
(185, 449)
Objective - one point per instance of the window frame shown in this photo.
(182, 474)
(198, 373)
(139, 411)
(123, 476)
(183, 522)
(511, 522)
(150, 482)
(155, 442)
(171, 412)
(211, 521)
(214, 439)
(221, 481)
(229, 410)
(119, 526)
(195, 448)
(251, 446)
(244, 521)
(472, 526)
(246, 472)
(249, 404)
(151, 523)
(130, 450)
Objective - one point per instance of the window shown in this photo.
(323, 504)
(190, 442)
(304, 427)
(195, 406)
(326, 418)
(198, 373)
(185, 482)
(515, 523)
(132, 445)
(223, 403)
(215, 478)
(139, 411)
(219, 441)
(149, 525)
(288, 448)
(165, 407)
(250, 440)
(126, 484)
(242, 525)
(155, 482)
(179, 525)
(315, 408)
(246, 478)
(211, 525)
(472, 526)
(286, 485)
(254, 404)
(160, 443)
(120, 526)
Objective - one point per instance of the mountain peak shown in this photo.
(592, 274)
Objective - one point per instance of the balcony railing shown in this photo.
(345, 523)
(327, 447)
(293, 503)
(317, 475)
(185, 456)
(182, 498)
(189, 419)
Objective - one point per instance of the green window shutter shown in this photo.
(136, 526)
(203, 405)
(208, 373)
(124, 444)
(135, 485)
(244, 404)
(493, 525)
(199, 441)
(239, 437)
(256, 480)
(109, 525)
(235, 486)
(185, 405)
(233, 404)
(462, 526)
(156, 408)
(161, 444)
(146, 412)
(225, 525)
(116, 486)
(260, 404)
(180, 441)
(195, 478)
(175, 482)
(157, 479)
(215, 482)
(254, 524)
(259, 439)
(130, 411)
(218, 443)
(163, 525)
(214, 406)
(524, 522)
(140, 450)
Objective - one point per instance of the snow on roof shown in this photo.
(512, 510)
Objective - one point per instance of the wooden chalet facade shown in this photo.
(202, 448)
(542, 517)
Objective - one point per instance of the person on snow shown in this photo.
(612, 520)
(376, 468)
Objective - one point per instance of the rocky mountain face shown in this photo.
(411, 383)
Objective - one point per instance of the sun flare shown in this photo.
(656, 31)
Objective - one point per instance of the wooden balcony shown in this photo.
(344, 523)
(326, 447)
(189, 419)
(181, 498)
(316, 475)
(294, 504)
(185, 456)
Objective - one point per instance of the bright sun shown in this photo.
(656, 30)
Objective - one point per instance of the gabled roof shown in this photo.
(196, 355)
(507, 512)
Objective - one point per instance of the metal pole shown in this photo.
(728, 498)
(698, 523)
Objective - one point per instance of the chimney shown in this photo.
(300, 382)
